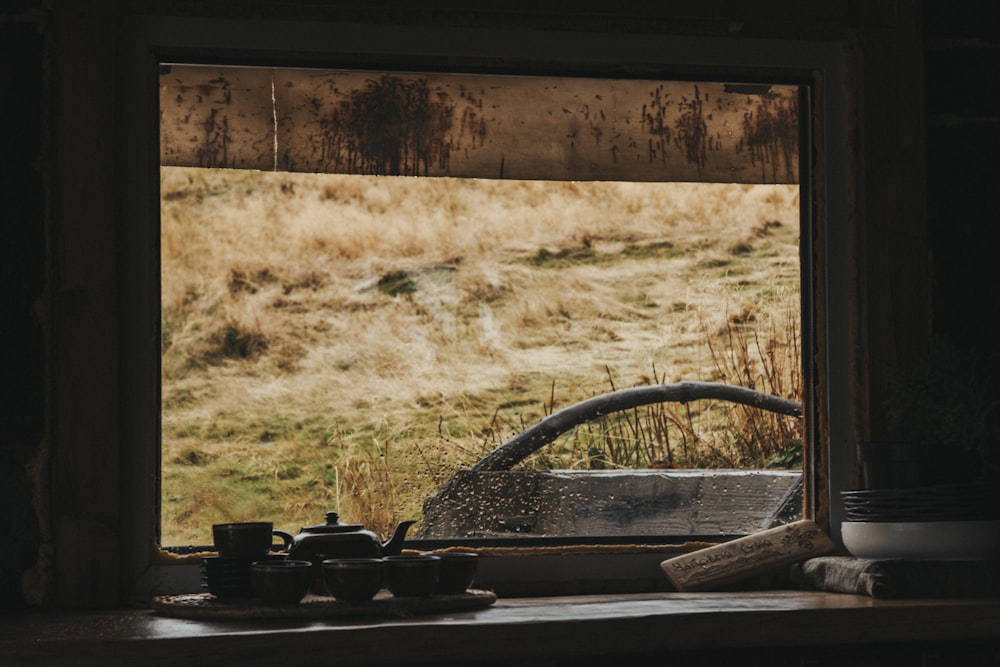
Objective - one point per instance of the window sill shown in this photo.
(512, 629)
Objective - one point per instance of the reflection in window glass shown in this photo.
(351, 341)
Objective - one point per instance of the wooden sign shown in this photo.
(745, 557)
(477, 125)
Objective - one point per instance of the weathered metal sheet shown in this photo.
(480, 126)
(216, 117)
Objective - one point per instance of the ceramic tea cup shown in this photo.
(457, 571)
(411, 576)
(280, 581)
(352, 579)
(250, 540)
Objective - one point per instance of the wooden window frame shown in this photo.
(826, 199)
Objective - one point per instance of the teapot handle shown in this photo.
(286, 538)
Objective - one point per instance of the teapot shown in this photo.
(340, 540)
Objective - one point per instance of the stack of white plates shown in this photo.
(944, 502)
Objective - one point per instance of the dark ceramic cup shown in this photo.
(411, 576)
(457, 571)
(280, 581)
(250, 540)
(352, 579)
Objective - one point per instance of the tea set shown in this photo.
(339, 560)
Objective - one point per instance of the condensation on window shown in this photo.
(372, 280)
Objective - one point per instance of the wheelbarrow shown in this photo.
(492, 500)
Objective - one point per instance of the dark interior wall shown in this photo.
(23, 309)
(961, 117)
(963, 135)
(962, 58)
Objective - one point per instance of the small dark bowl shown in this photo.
(281, 581)
(458, 571)
(353, 579)
(228, 565)
(225, 565)
(411, 576)
(226, 577)
(228, 588)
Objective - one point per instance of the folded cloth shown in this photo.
(899, 578)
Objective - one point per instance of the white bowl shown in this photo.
(922, 540)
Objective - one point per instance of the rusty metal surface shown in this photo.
(480, 126)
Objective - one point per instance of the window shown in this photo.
(630, 54)
(351, 340)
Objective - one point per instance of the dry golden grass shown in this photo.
(321, 332)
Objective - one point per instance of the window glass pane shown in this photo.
(351, 341)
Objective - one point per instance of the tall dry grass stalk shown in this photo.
(766, 358)
(368, 489)
(395, 329)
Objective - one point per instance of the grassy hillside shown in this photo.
(346, 342)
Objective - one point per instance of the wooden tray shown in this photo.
(207, 606)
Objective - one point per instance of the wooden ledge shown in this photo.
(512, 629)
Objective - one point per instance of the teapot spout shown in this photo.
(395, 544)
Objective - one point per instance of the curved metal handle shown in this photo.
(548, 429)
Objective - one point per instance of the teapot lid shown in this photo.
(332, 525)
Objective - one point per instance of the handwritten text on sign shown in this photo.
(748, 556)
